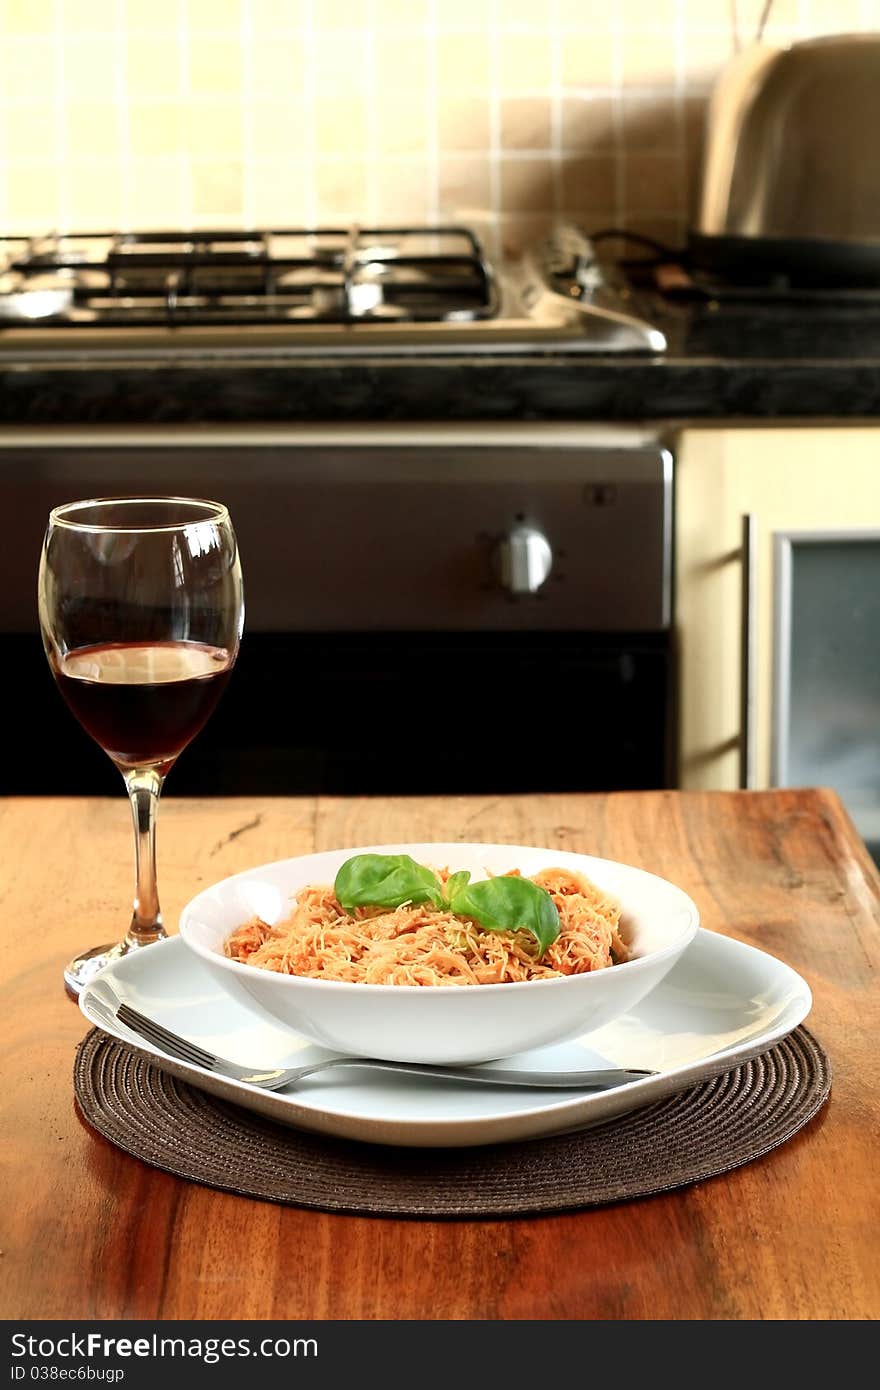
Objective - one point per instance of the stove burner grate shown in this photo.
(326, 275)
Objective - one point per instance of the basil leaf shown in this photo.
(456, 882)
(385, 880)
(506, 904)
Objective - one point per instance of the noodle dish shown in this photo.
(449, 953)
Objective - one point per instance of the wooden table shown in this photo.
(93, 1233)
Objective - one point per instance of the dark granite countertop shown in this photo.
(741, 360)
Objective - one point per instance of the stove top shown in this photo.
(709, 316)
(330, 276)
(692, 284)
(352, 289)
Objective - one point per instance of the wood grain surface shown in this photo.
(92, 1233)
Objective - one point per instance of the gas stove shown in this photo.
(706, 315)
(348, 290)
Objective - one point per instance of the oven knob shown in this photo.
(523, 560)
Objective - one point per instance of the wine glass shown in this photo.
(141, 612)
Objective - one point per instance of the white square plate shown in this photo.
(722, 1003)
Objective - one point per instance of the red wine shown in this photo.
(143, 701)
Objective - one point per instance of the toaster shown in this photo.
(790, 179)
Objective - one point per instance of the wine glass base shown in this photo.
(82, 969)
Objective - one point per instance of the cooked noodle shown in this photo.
(425, 945)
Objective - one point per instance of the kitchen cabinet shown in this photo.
(777, 563)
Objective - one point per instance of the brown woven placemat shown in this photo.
(710, 1128)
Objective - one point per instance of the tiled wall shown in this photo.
(144, 113)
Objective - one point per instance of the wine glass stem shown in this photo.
(144, 788)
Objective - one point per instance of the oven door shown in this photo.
(461, 612)
(399, 713)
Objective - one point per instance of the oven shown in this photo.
(428, 609)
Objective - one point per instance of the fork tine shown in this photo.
(170, 1045)
(173, 1047)
(182, 1047)
(156, 1033)
(171, 1042)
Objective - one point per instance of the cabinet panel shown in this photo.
(817, 479)
(826, 689)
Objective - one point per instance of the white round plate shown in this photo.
(722, 1003)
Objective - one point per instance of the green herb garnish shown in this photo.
(386, 880)
(505, 903)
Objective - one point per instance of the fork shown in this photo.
(276, 1079)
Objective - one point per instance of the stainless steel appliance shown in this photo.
(428, 609)
(789, 184)
(347, 290)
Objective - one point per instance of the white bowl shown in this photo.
(461, 1024)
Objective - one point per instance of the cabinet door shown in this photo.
(813, 499)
